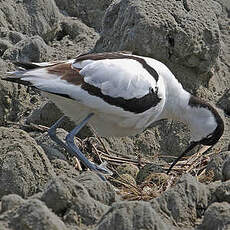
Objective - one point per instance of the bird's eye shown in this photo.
(151, 90)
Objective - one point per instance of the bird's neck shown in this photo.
(176, 104)
(194, 112)
(199, 116)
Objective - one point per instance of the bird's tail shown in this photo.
(27, 73)
(46, 76)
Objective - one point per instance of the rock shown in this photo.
(5, 87)
(164, 30)
(85, 10)
(147, 28)
(99, 190)
(24, 167)
(32, 49)
(64, 194)
(222, 192)
(9, 38)
(57, 195)
(217, 216)
(4, 45)
(62, 167)
(76, 30)
(226, 169)
(185, 202)
(31, 214)
(224, 102)
(212, 191)
(131, 215)
(153, 141)
(36, 17)
(216, 165)
(10, 202)
(14, 100)
(48, 113)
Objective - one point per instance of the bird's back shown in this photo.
(124, 92)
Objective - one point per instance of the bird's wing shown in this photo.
(121, 80)
(97, 84)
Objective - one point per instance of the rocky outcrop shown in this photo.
(40, 185)
(19, 214)
(185, 202)
(31, 18)
(216, 217)
(24, 167)
(126, 215)
(179, 31)
(90, 12)
(32, 49)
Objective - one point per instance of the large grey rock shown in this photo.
(8, 38)
(64, 195)
(10, 202)
(164, 30)
(62, 167)
(217, 216)
(47, 114)
(215, 166)
(224, 102)
(100, 190)
(14, 100)
(35, 17)
(11, 36)
(133, 215)
(32, 49)
(163, 137)
(224, 59)
(32, 215)
(76, 30)
(226, 169)
(85, 10)
(185, 202)
(222, 192)
(24, 167)
(179, 35)
(74, 38)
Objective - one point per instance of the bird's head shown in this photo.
(205, 123)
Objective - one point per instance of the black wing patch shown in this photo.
(135, 105)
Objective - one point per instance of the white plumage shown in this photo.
(126, 93)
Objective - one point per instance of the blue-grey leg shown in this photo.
(99, 169)
(74, 150)
(53, 135)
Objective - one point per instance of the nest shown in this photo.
(154, 184)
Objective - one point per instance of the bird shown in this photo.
(118, 94)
